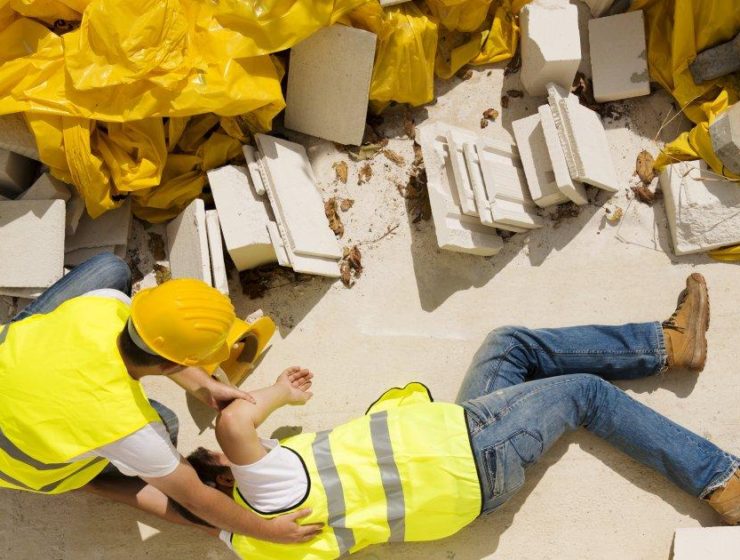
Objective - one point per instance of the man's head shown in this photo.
(213, 469)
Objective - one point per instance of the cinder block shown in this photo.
(716, 62)
(530, 141)
(17, 173)
(583, 140)
(703, 209)
(16, 137)
(551, 44)
(455, 231)
(243, 217)
(110, 229)
(215, 246)
(703, 543)
(619, 56)
(75, 211)
(598, 7)
(725, 133)
(329, 84)
(187, 241)
(574, 190)
(47, 187)
(31, 243)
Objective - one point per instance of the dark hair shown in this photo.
(206, 466)
(138, 356)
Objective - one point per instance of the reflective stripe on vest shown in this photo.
(389, 475)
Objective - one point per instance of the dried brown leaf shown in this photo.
(515, 64)
(335, 222)
(395, 157)
(342, 171)
(483, 123)
(367, 151)
(505, 101)
(465, 74)
(351, 266)
(346, 204)
(409, 126)
(614, 217)
(161, 273)
(365, 174)
(345, 273)
(514, 93)
(644, 167)
(490, 113)
(644, 195)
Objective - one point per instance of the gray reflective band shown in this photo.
(389, 475)
(334, 492)
(10, 448)
(53, 485)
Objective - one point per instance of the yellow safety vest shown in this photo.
(403, 472)
(65, 391)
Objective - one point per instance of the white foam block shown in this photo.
(707, 543)
(109, 229)
(243, 216)
(16, 137)
(187, 242)
(583, 140)
(530, 141)
(31, 243)
(329, 84)
(17, 173)
(551, 44)
(215, 246)
(703, 208)
(619, 56)
(47, 187)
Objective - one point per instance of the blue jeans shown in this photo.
(526, 388)
(103, 271)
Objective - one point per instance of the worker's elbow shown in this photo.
(235, 419)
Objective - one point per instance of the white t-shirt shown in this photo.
(276, 483)
(148, 452)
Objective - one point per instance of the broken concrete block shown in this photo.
(110, 229)
(583, 139)
(187, 242)
(17, 173)
(215, 246)
(455, 231)
(243, 217)
(551, 44)
(329, 84)
(75, 210)
(16, 137)
(716, 62)
(574, 190)
(703, 209)
(31, 243)
(47, 187)
(702, 543)
(619, 56)
(530, 141)
(725, 133)
(598, 7)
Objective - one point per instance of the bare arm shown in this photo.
(206, 389)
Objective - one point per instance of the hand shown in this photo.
(297, 381)
(286, 529)
(218, 395)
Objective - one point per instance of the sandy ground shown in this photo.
(418, 313)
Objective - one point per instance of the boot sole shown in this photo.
(699, 355)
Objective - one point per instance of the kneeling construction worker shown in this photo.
(73, 413)
(415, 470)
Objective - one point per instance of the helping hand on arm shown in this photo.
(208, 390)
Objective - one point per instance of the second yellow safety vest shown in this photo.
(403, 472)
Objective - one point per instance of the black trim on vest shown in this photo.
(286, 510)
(376, 401)
(475, 461)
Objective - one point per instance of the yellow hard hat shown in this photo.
(186, 321)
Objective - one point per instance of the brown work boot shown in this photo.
(726, 500)
(685, 331)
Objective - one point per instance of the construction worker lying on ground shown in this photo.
(74, 415)
(416, 470)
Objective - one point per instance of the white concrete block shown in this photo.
(79, 256)
(725, 134)
(598, 7)
(703, 208)
(16, 137)
(329, 84)
(455, 231)
(574, 190)
(243, 216)
(551, 44)
(619, 56)
(47, 187)
(75, 211)
(215, 246)
(278, 244)
(17, 173)
(187, 243)
(583, 140)
(251, 155)
(24, 293)
(468, 198)
(707, 543)
(31, 243)
(110, 229)
(530, 141)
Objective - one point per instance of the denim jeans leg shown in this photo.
(513, 355)
(103, 271)
(511, 428)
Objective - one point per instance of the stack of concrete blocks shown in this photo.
(582, 139)
(725, 134)
(703, 543)
(619, 56)
(703, 208)
(551, 44)
(329, 84)
(106, 234)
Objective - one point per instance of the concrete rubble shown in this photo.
(220, 279)
(703, 208)
(47, 187)
(717, 61)
(725, 134)
(619, 56)
(702, 543)
(549, 55)
(108, 233)
(17, 173)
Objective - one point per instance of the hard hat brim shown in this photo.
(263, 328)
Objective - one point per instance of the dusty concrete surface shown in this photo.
(418, 313)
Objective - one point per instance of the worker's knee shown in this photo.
(111, 272)
(503, 337)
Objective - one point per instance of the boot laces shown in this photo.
(671, 323)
